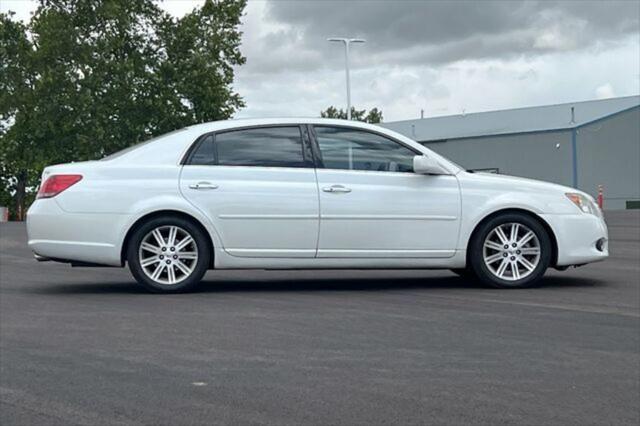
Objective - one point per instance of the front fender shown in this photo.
(477, 209)
(484, 194)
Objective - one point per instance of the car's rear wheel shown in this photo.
(168, 255)
(511, 250)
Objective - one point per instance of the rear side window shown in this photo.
(260, 147)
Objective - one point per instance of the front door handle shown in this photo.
(336, 188)
(204, 185)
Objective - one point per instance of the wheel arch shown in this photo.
(534, 216)
(159, 213)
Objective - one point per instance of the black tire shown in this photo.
(475, 254)
(199, 266)
(465, 273)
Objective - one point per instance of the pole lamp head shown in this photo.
(347, 40)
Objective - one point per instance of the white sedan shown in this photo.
(305, 194)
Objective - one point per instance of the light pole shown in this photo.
(347, 42)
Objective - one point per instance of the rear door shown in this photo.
(259, 188)
(373, 205)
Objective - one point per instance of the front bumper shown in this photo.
(582, 238)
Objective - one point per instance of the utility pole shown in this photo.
(347, 42)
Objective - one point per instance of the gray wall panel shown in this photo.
(532, 155)
(609, 154)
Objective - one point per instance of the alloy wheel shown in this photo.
(168, 254)
(511, 251)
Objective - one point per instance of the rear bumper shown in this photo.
(582, 238)
(56, 234)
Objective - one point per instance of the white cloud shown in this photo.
(472, 85)
(179, 8)
(22, 8)
(490, 56)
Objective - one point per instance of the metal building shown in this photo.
(580, 144)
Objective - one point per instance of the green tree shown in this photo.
(373, 116)
(85, 78)
(18, 159)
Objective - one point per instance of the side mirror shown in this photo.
(427, 166)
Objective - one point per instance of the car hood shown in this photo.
(520, 183)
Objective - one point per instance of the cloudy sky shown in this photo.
(440, 57)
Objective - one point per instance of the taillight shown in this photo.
(56, 184)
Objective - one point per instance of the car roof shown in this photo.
(213, 126)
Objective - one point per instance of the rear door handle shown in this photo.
(336, 188)
(203, 185)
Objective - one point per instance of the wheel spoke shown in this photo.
(173, 231)
(150, 247)
(530, 266)
(493, 245)
(514, 232)
(515, 272)
(184, 242)
(182, 267)
(149, 261)
(530, 250)
(187, 255)
(171, 274)
(527, 237)
(157, 272)
(502, 268)
(500, 233)
(158, 236)
(493, 258)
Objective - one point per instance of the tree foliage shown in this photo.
(85, 78)
(373, 116)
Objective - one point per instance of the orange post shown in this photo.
(600, 196)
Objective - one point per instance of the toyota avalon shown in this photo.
(305, 194)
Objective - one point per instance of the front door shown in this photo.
(373, 205)
(258, 187)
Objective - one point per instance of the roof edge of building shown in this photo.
(569, 104)
(568, 127)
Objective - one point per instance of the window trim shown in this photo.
(307, 145)
(194, 148)
(318, 155)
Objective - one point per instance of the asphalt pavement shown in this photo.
(88, 346)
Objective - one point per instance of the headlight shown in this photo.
(585, 204)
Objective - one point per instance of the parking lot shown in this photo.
(87, 345)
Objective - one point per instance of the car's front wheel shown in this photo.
(511, 250)
(168, 254)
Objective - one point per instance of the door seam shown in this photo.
(315, 172)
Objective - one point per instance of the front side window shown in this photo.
(260, 147)
(351, 149)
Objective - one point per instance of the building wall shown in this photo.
(544, 155)
(609, 155)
